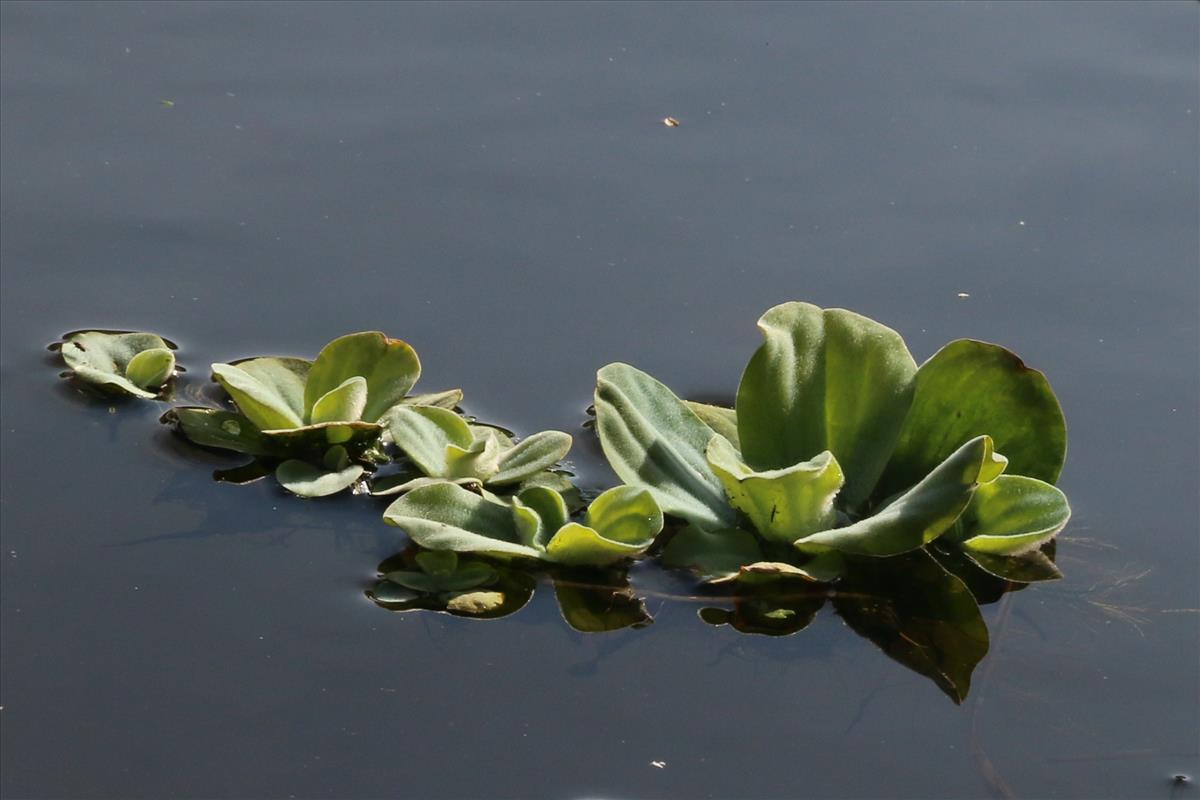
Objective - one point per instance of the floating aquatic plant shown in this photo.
(922, 492)
(320, 419)
(619, 524)
(838, 446)
(445, 447)
(119, 362)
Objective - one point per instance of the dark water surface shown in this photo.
(495, 185)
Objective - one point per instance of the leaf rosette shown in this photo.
(839, 446)
(442, 446)
(619, 525)
(117, 362)
(318, 418)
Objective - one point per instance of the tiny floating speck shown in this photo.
(671, 122)
(658, 764)
(964, 294)
(168, 103)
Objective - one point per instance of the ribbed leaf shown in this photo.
(825, 380)
(969, 389)
(448, 517)
(721, 420)
(390, 367)
(531, 455)
(921, 514)
(652, 440)
(1013, 515)
(264, 403)
(424, 433)
(343, 404)
(783, 504)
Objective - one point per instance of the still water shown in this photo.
(494, 184)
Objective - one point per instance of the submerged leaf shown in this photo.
(825, 380)
(654, 441)
(921, 514)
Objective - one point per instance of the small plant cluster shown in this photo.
(841, 463)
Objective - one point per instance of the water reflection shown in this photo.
(922, 609)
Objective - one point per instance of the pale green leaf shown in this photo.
(285, 376)
(550, 514)
(102, 359)
(721, 420)
(529, 456)
(424, 433)
(579, 545)
(654, 441)
(921, 514)
(150, 369)
(447, 517)
(783, 504)
(343, 404)
(390, 368)
(260, 402)
(449, 399)
(306, 480)
(1012, 515)
(825, 380)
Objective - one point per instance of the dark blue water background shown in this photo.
(494, 184)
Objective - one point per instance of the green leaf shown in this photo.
(150, 369)
(390, 368)
(550, 514)
(306, 480)
(212, 427)
(399, 484)
(721, 420)
(783, 504)
(921, 514)
(1013, 515)
(425, 432)
(713, 554)
(447, 517)
(264, 403)
(449, 399)
(825, 380)
(286, 376)
(626, 514)
(621, 523)
(103, 359)
(919, 615)
(579, 545)
(480, 460)
(560, 482)
(343, 404)
(314, 440)
(971, 388)
(653, 441)
(529, 456)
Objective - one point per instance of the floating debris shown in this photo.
(964, 294)
(671, 122)
(658, 764)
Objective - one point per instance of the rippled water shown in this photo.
(495, 185)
